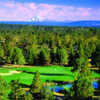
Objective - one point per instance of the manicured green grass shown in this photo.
(5, 70)
(24, 78)
(51, 73)
(47, 69)
(96, 75)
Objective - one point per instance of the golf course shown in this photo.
(49, 63)
(25, 74)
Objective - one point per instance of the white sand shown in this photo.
(10, 73)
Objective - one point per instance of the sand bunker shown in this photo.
(10, 73)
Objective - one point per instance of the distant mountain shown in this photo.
(85, 23)
(52, 23)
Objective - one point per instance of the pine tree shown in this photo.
(36, 84)
(28, 96)
(62, 56)
(3, 89)
(14, 89)
(32, 55)
(1, 54)
(8, 49)
(44, 56)
(9, 57)
(18, 57)
(53, 55)
(82, 87)
(19, 93)
(46, 93)
(96, 56)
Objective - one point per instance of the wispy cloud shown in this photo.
(25, 11)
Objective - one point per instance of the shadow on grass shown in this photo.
(49, 74)
(1, 65)
(97, 71)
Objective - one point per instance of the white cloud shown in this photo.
(26, 11)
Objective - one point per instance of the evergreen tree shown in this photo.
(8, 49)
(53, 53)
(14, 89)
(1, 54)
(96, 56)
(9, 58)
(47, 94)
(19, 93)
(28, 96)
(3, 89)
(18, 57)
(33, 55)
(71, 48)
(44, 56)
(36, 85)
(82, 87)
(62, 56)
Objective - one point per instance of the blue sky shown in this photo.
(85, 3)
(52, 10)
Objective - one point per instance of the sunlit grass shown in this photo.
(50, 73)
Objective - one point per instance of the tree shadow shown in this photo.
(1, 65)
(49, 74)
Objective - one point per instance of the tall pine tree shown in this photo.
(1, 54)
(82, 88)
(3, 89)
(36, 84)
(18, 57)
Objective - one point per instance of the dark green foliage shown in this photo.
(99, 83)
(46, 94)
(36, 84)
(9, 58)
(8, 49)
(53, 55)
(71, 47)
(1, 54)
(62, 56)
(16, 90)
(82, 86)
(19, 93)
(3, 89)
(44, 56)
(28, 97)
(18, 57)
(96, 56)
(34, 45)
(49, 41)
(32, 55)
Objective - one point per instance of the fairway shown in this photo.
(50, 73)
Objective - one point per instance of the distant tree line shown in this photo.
(43, 45)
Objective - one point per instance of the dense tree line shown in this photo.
(34, 45)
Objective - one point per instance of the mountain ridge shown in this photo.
(87, 23)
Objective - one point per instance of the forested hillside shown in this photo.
(43, 45)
